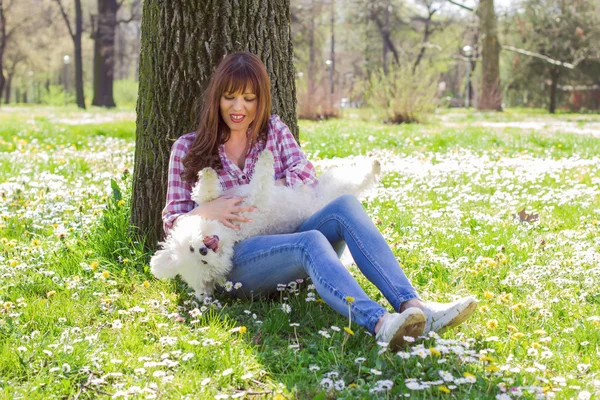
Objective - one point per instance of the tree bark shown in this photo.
(7, 89)
(491, 89)
(182, 42)
(2, 45)
(76, 37)
(554, 75)
(78, 55)
(104, 53)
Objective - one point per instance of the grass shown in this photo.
(81, 316)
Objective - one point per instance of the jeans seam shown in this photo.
(367, 255)
(279, 249)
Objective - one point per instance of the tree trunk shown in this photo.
(7, 89)
(2, 46)
(386, 33)
(78, 55)
(491, 90)
(104, 53)
(182, 43)
(554, 75)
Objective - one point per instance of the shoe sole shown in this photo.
(460, 318)
(413, 327)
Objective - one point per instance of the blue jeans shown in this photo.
(261, 262)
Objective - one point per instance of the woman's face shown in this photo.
(238, 110)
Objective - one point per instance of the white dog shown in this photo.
(281, 209)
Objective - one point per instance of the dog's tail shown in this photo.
(356, 180)
(163, 264)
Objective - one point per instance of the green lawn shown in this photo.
(81, 315)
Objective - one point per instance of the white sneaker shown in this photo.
(441, 316)
(411, 322)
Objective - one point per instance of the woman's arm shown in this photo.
(179, 197)
(179, 192)
(296, 167)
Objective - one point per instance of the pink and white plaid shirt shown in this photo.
(290, 163)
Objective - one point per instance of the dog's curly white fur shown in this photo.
(281, 209)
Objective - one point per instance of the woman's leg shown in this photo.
(345, 219)
(261, 262)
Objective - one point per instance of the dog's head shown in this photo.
(192, 245)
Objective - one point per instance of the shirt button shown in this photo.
(243, 176)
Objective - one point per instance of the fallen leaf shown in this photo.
(524, 217)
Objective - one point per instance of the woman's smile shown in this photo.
(237, 118)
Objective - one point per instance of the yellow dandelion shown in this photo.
(492, 368)
(94, 265)
(126, 261)
(349, 331)
(105, 274)
(13, 263)
(468, 250)
(242, 329)
(443, 389)
(540, 332)
(484, 308)
(7, 305)
(486, 358)
(350, 299)
(506, 297)
(492, 324)
(536, 345)
(517, 335)
(518, 306)
(435, 352)
(512, 328)
(489, 261)
(35, 242)
(488, 295)
(50, 293)
(146, 284)
(121, 203)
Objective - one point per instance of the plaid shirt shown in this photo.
(290, 164)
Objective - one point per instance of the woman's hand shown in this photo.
(224, 209)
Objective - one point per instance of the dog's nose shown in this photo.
(203, 251)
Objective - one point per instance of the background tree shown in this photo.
(76, 37)
(558, 37)
(182, 42)
(490, 97)
(104, 30)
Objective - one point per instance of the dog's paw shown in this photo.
(265, 160)
(208, 187)
(376, 167)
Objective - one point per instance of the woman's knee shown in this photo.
(314, 240)
(346, 205)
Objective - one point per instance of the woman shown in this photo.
(236, 126)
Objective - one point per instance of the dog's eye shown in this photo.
(204, 262)
(191, 249)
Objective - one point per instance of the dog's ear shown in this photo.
(164, 264)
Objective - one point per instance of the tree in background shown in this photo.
(104, 28)
(182, 43)
(490, 97)
(76, 37)
(559, 38)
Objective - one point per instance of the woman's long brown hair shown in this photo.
(235, 73)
